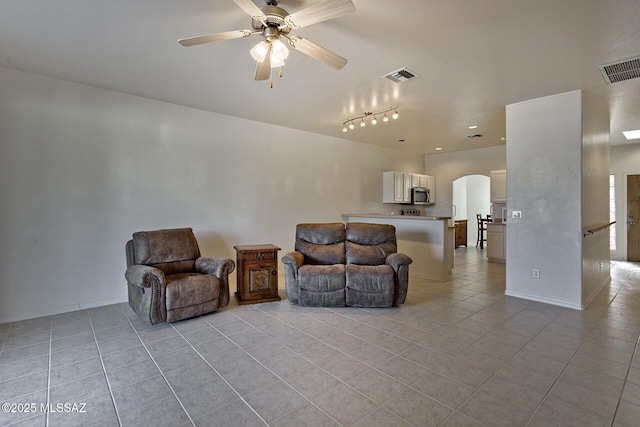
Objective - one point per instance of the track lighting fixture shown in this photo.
(350, 121)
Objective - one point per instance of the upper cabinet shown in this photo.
(498, 186)
(396, 186)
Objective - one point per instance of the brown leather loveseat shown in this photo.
(354, 265)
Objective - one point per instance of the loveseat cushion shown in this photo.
(321, 285)
(188, 289)
(369, 244)
(321, 244)
(369, 285)
(172, 251)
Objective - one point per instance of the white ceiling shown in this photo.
(472, 58)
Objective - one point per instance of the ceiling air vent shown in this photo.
(619, 71)
(399, 76)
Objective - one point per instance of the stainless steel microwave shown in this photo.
(420, 196)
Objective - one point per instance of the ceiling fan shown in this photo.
(274, 23)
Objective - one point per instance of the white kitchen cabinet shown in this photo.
(497, 242)
(396, 187)
(498, 186)
(431, 185)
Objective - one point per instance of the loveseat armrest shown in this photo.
(144, 276)
(396, 260)
(292, 262)
(294, 259)
(400, 264)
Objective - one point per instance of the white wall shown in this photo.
(447, 167)
(546, 153)
(625, 160)
(596, 271)
(82, 168)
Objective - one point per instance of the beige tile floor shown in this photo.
(458, 353)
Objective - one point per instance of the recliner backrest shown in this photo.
(172, 250)
(321, 244)
(369, 244)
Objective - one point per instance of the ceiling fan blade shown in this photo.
(320, 12)
(263, 69)
(192, 41)
(317, 52)
(251, 9)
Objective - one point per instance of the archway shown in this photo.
(471, 195)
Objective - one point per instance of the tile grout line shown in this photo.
(104, 370)
(587, 335)
(348, 355)
(159, 370)
(46, 420)
(215, 370)
(298, 354)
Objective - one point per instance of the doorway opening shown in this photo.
(471, 195)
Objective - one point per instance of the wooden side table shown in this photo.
(257, 274)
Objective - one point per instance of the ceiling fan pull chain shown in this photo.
(280, 74)
(271, 84)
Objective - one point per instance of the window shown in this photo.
(612, 212)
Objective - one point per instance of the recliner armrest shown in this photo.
(144, 275)
(294, 259)
(219, 267)
(396, 260)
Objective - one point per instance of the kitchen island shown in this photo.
(428, 240)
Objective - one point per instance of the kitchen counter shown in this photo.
(412, 217)
(428, 240)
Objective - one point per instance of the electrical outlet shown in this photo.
(536, 273)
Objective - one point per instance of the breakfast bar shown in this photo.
(428, 240)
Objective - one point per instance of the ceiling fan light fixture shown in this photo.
(279, 51)
(259, 51)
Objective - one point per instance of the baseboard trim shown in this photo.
(595, 293)
(62, 309)
(544, 300)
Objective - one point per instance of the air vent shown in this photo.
(622, 70)
(399, 76)
(475, 135)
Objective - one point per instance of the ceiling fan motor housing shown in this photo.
(275, 19)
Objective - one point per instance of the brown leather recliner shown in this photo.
(168, 280)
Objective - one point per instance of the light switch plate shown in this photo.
(516, 214)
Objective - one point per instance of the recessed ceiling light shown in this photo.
(503, 139)
(438, 148)
(473, 127)
(632, 134)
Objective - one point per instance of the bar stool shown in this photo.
(482, 227)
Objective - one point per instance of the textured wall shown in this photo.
(82, 168)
